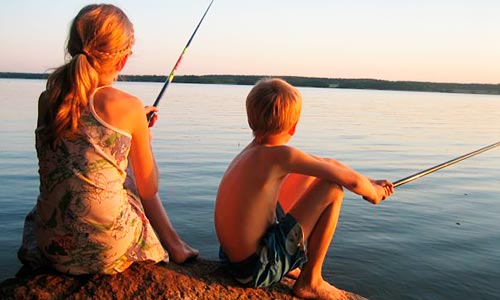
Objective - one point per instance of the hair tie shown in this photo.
(82, 52)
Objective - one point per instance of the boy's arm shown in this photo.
(373, 191)
(383, 187)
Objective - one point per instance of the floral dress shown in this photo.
(88, 217)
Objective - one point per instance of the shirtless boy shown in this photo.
(274, 199)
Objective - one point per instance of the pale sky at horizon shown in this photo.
(440, 40)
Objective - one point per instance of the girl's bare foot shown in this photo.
(182, 252)
(323, 290)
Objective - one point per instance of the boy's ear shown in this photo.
(291, 131)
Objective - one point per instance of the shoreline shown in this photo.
(315, 82)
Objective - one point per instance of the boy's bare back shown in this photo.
(247, 197)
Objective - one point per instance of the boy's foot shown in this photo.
(182, 252)
(322, 291)
(293, 274)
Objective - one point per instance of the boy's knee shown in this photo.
(334, 191)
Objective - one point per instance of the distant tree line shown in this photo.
(373, 84)
(24, 75)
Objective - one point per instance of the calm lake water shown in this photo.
(436, 238)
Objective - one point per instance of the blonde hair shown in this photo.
(273, 106)
(100, 36)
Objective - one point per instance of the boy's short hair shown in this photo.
(273, 105)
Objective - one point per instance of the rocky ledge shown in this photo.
(197, 279)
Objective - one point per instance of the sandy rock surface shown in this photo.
(198, 279)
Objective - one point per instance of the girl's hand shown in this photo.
(151, 110)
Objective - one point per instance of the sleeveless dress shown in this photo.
(88, 217)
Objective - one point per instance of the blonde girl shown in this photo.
(98, 210)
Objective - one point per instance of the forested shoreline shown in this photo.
(373, 84)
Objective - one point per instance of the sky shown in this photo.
(425, 40)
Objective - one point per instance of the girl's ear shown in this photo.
(121, 64)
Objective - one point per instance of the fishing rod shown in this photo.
(172, 73)
(443, 165)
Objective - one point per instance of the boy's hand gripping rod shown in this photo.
(443, 165)
(172, 73)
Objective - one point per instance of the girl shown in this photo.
(98, 210)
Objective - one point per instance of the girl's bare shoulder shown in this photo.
(118, 108)
(111, 95)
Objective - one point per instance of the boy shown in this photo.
(269, 179)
